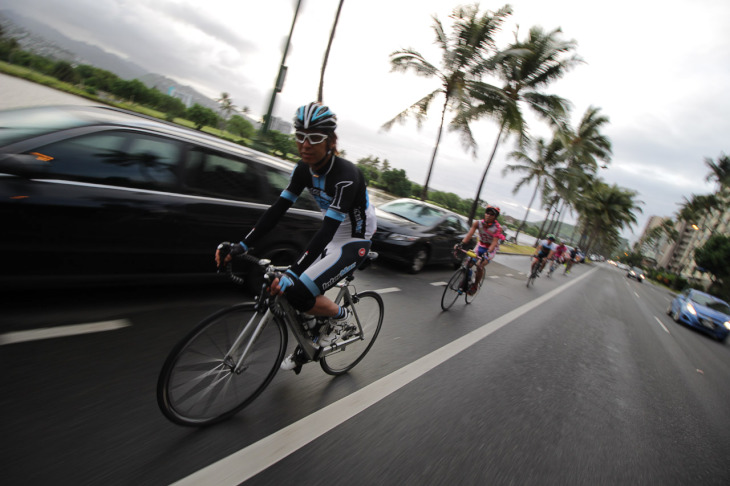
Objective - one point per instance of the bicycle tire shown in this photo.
(368, 310)
(453, 288)
(470, 298)
(197, 388)
(533, 275)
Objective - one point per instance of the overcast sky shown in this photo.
(659, 69)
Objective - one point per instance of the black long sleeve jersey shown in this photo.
(340, 190)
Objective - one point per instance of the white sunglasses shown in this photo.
(313, 138)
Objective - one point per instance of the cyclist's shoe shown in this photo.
(294, 361)
(333, 331)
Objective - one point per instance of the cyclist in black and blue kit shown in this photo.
(342, 241)
(545, 250)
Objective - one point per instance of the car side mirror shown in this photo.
(22, 164)
(448, 230)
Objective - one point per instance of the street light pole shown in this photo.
(279, 84)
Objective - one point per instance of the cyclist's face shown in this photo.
(310, 152)
(489, 216)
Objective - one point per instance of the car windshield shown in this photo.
(638, 270)
(413, 211)
(713, 304)
(19, 124)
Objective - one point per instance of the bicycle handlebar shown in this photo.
(470, 253)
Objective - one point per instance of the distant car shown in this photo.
(703, 312)
(94, 194)
(636, 273)
(417, 233)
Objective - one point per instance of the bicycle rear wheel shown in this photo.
(367, 309)
(453, 289)
(198, 384)
(470, 298)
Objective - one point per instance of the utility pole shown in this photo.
(281, 75)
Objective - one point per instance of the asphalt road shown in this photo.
(579, 380)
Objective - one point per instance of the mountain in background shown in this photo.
(44, 40)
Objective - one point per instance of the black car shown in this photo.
(93, 194)
(636, 273)
(417, 233)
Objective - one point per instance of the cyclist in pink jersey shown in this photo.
(490, 236)
(560, 251)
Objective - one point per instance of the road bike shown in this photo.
(462, 282)
(552, 268)
(568, 266)
(230, 358)
(534, 272)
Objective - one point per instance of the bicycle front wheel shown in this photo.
(453, 289)
(367, 309)
(199, 384)
(533, 275)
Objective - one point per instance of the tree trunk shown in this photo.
(474, 205)
(424, 192)
(327, 52)
(527, 213)
(542, 226)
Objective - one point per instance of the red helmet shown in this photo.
(493, 208)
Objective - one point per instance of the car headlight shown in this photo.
(691, 309)
(727, 325)
(400, 237)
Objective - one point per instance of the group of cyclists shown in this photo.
(343, 240)
(556, 252)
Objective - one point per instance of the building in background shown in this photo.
(678, 256)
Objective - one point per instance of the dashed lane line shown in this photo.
(62, 331)
(661, 324)
(388, 290)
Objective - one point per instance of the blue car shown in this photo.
(703, 312)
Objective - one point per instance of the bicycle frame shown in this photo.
(280, 307)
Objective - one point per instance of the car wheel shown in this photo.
(419, 259)
(669, 310)
(675, 316)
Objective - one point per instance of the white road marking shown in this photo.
(660, 323)
(388, 290)
(439, 284)
(251, 460)
(495, 276)
(62, 331)
(637, 295)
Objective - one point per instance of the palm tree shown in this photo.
(719, 171)
(525, 70)
(586, 144)
(463, 54)
(320, 97)
(583, 147)
(605, 209)
(227, 107)
(537, 170)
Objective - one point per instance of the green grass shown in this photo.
(514, 249)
